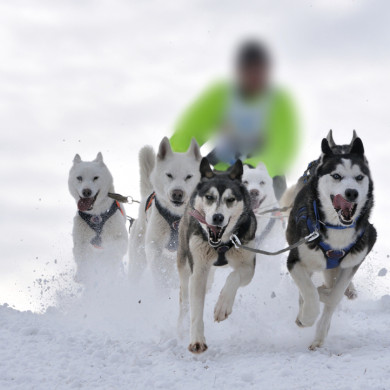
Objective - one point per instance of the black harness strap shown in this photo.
(333, 256)
(173, 221)
(96, 222)
(221, 251)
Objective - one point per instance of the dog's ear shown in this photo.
(99, 158)
(77, 159)
(164, 150)
(357, 147)
(194, 150)
(330, 139)
(354, 136)
(261, 167)
(236, 170)
(205, 169)
(326, 148)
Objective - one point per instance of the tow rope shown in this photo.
(237, 243)
(122, 199)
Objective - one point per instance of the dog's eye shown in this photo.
(336, 176)
(79, 178)
(188, 177)
(209, 197)
(95, 178)
(230, 200)
(169, 175)
(359, 178)
(262, 183)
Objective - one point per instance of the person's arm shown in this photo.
(201, 119)
(281, 137)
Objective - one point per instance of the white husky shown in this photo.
(99, 230)
(167, 182)
(269, 225)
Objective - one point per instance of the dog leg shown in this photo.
(330, 277)
(241, 276)
(310, 308)
(331, 298)
(137, 254)
(184, 276)
(197, 293)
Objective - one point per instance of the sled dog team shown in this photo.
(191, 219)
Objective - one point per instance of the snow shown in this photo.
(127, 339)
(79, 77)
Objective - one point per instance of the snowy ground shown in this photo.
(79, 77)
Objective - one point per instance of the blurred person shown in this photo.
(247, 118)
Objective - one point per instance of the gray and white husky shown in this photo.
(336, 202)
(167, 182)
(260, 187)
(219, 207)
(99, 227)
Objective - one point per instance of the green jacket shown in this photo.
(203, 119)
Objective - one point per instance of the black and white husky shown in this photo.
(335, 202)
(219, 207)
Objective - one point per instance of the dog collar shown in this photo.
(97, 221)
(222, 248)
(333, 256)
(173, 221)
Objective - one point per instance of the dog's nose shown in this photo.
(254, 193)
(87, 193)
(351, 194)
(177, 195)
(218, 219)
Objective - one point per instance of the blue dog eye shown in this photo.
(359, 178)
(336, 176)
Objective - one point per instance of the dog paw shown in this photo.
(351, 293)
(197, 347)
(299, 323)
(307, 316)
(315, 344)
(222, 309)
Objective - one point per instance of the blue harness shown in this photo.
(333, 256)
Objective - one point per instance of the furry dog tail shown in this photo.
(147, 160)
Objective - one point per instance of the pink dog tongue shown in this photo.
(85, 204)
(197, 215)
(341, 204)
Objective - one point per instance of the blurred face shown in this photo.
(252, 78)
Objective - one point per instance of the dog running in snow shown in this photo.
(99, 228)
(291, 193)
(260, 187)
(219, 207)
(336, 202)
(167, 182)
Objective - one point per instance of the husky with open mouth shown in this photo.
(219, 207)
(167, 182)
(99, 227)
(336, 202)
(291, 193)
